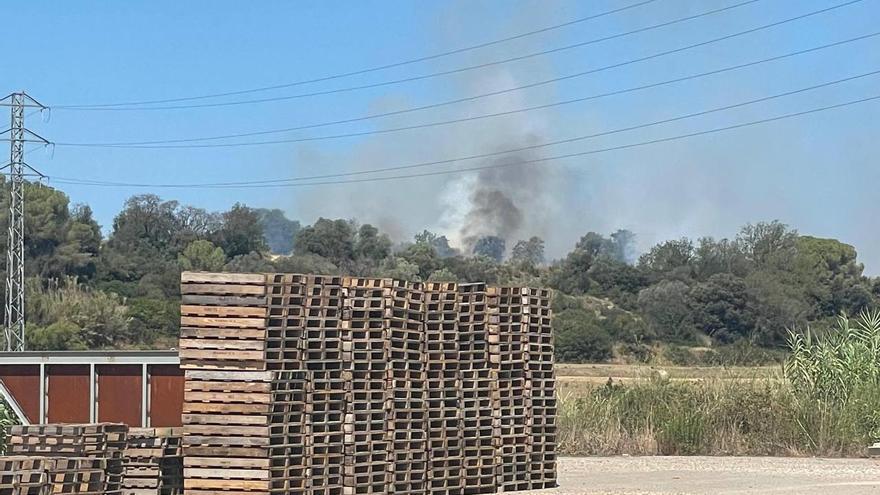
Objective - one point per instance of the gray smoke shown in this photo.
(502, 200)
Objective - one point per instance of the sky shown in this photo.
(817, 172)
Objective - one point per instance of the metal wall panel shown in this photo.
(119, 393)
(68, 391)
(166, 395)
(23, 382)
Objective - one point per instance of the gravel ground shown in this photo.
(715, 475)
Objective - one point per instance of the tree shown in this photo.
(580, 338)
(473, 268)
(668, 260)
(252, 262)
(371, 246)
(712, 257)
(769, 244)
(423, 256)
(142, 240)
(331, 239)
(400, 268)
(241, 232)
(305, 263)
(490, 246)
(721, 307)
(528, 253)
(572, 274)
(443, 275)
(831, 276)
(278, 230)
(616, 280)
(202, 255)
(666, 307)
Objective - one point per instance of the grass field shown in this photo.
(579, 379)
(675, 410)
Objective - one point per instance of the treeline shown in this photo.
(87, 291)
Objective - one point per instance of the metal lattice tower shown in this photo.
(18, 136)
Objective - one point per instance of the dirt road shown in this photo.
(716, 475)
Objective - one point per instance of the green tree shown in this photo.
(370, 245)
(666, 307)
(490, 246)
(241, 232)
(202, 255)
(400, 268)
(721, 307)
(528, 253)
(423, 256)
(331, 239)
(580, 338)
(668, 260)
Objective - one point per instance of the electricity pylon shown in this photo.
(18, 136)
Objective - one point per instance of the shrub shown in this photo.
(580, 337)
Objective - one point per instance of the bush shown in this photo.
(580, 338)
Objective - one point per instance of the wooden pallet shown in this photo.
(371, 385)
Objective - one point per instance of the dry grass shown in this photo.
(748, 411)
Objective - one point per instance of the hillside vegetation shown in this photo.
(684, 301)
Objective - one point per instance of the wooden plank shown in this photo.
(218, 300)
(257, 452)
(194, 419)
(223, 290)
(206, 386)
(227, 397)
(225, 462)
(222, 344)
(223, 311)
(226, 473)
(193, 483)
(221, 355)
(213, 375)
(228, 365)
(221, 430)
(204, 441)
(217, 277)
(211, 322)
(209, 407)
(223, 333)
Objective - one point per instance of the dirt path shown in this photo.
(716, 475)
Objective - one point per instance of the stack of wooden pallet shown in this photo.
(477, 386)
(542, 386)
(444, 389)
(288, 420)
(97, 444)
(405, 389)
(365, 333)
(328, 383)
(227, 391)
(508, 341)
(38, 475)
(153, 463)
(24, 476)
(303, 384)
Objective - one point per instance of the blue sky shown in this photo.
(817, 173)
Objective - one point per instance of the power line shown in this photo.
(286, 182)
(371, 69)
(174, 143)
(121, 107)
(537, 160)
